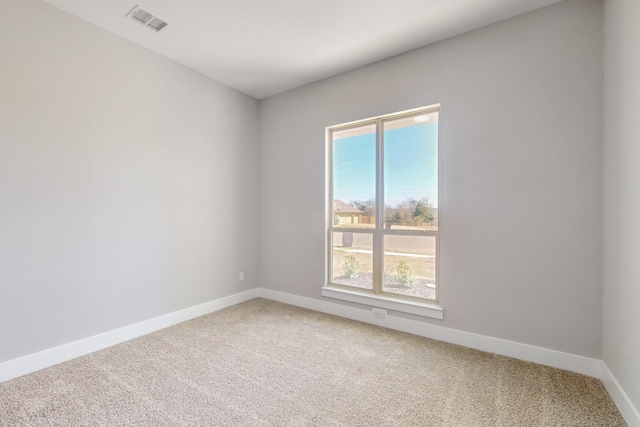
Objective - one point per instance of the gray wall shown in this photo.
(621, 318)
(127, 182)
(521, 147)
(115, 163)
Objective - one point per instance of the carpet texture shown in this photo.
(262, 363)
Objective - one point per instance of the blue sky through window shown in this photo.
(411, 165)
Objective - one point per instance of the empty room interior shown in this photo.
(181, 242)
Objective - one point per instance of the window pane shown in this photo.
(410, 266)
(352, 259)
(411, 172)
(354, 177)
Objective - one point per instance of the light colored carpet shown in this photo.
(263, 363)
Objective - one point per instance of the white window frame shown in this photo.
(377, 296)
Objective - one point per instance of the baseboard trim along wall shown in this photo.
(571, 362)
(43, 359)
(624, 404)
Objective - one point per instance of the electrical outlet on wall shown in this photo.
(380, 313)
(241, 276)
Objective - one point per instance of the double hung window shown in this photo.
(383, 205)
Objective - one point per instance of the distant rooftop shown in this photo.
(340, 206)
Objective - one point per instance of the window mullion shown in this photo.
(330, 223)
(378, 237)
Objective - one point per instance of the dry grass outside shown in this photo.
(418, 254)
(392, 243)
(421, 268)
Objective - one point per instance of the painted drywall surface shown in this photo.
(127, 182)
(521, 183)
(621, 315)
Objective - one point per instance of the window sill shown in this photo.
(420, 309)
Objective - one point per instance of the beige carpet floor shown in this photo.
(263, 363)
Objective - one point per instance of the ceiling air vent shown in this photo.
(147, 19)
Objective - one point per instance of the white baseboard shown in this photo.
(556, 359)
(36, 361)
(622, 401)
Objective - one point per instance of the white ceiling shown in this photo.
(265, 47)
